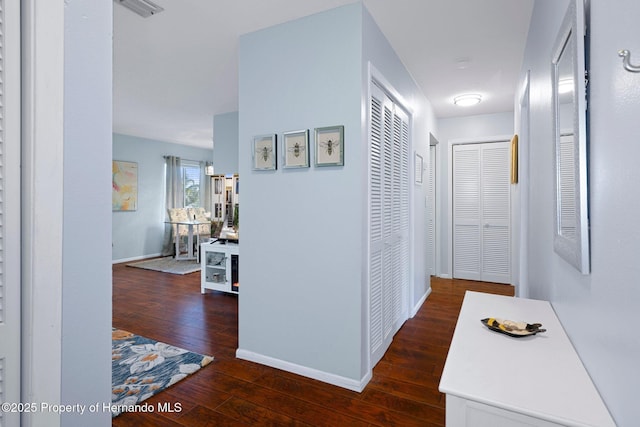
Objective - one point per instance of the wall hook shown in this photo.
(625, 54)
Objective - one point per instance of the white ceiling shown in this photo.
(172, 72)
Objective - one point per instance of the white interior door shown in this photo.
(9, 208)
(496, 212)
(389, 259)
(431, 213)
(481, 212)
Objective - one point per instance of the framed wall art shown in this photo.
(329, 149)
(295, 149)
(514, 159)
(264, 152)
(124, 194)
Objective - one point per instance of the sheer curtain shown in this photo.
(174, 198)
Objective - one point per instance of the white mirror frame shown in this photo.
(574, 250)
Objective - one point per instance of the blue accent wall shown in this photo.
(139, 234)
(304, 242)
(301, 243)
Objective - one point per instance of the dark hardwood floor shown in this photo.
(231, 392)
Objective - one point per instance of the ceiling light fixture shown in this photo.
(467, 100)
(144, 8)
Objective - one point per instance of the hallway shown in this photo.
(230, 391)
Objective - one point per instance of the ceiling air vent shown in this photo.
(144, 8)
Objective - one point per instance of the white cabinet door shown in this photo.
(481, 212)
(9, 208)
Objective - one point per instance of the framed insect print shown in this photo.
(295, 149)
(264, 152)
(329, 146)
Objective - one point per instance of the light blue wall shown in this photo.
(301, 253)
(86, 269)
(139, 233)
(304, 242)
(598, 311)
(225, 143)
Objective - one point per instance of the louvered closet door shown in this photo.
(9, 208)
(496, 235)
(389, 221)
(567, 171)
(431, 213)
(401, 246)
(481, 212)
(466, 212)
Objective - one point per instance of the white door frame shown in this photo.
(10, 279)
(450, 144)
(436, 204)
(42, 204)
(522, 117)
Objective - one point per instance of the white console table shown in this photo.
(494, 380)
(219, 267)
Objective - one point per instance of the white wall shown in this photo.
(467, 128)
(596, 310)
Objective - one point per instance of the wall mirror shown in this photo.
(571, 222)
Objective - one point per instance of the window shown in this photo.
(191, 183)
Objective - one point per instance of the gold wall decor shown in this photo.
(514, 159)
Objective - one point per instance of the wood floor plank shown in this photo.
(256, 415)
(283, 403)
(419, 393)
(349, 406)
(144, 420)
(428, 413)
(403, 390)
(409, 375)
(205, 417)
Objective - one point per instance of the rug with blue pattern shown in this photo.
(142, 367)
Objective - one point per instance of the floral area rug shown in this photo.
(168, 265)
(142, 367)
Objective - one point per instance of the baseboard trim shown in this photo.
(305, 371)
(445, 276)
(135, 258)
(419, 304)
